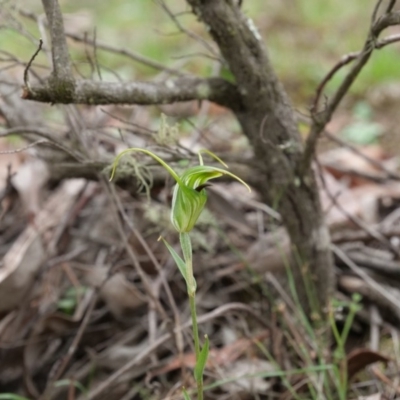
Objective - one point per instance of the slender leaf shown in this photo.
(202, 360)
(69, 382)
(12, 396)
(178, 260)
(185, 394)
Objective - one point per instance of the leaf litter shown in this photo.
(84, 283)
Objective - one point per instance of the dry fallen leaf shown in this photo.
(120, 295)
(240, 372)
(216, 358)
(23, 259)
(29, 182)
(358, 359)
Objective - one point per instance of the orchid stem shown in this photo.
(186, 246)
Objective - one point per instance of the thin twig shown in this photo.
(191, 34)
(21, 149)
(171, 300)
(320, 119)
(96, 60)
(27, 130)
(390, 174)
(115, 206)
(363, 275)
(103, 386)
(373, 233)
(74, 345)
(112, 49)
(390, 6)
(127, 53)
(26, 76)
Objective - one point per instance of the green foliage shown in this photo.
(69, 301)
(202, 360)
(69, 382)
(178, 260)
(11, 396)
(185, 394)
(363, 130)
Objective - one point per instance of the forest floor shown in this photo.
(92, 305)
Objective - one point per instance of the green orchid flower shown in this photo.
(190, 196)
(188, 202)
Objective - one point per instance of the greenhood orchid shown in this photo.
(189, 197)
(188, 202)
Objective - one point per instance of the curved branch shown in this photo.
(321, 119)
(345, 60)
(143, 93)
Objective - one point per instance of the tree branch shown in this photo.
(62, 88)
(59, 48)
(268, 120)
(144, 93)
(321, 119)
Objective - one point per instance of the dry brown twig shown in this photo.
(321, 118)
(112, 49)
(105, 385)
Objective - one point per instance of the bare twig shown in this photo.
(390, 6)
(345, 60)
(115, 206)
(26, 77)
(112, 49)
(373, 233)
(164, 282)
(27, 130)
(320, 119)
(74, 345)
(387, 40)
(102, 387)
(389, 174)
(126, 53)
(366, 278)
(375, 12)
(21, 149)
(191, 34)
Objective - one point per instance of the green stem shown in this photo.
(192, 302)
(186, 246)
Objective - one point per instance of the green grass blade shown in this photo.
(178, 260)
(185, 394)
(69, 382)
(11, 396)
(202, 360)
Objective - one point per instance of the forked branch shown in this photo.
(320, 119)
(62, 88)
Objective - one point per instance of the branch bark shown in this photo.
(144, 93)
(268, 120)
(320, 119)
(59, 48)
